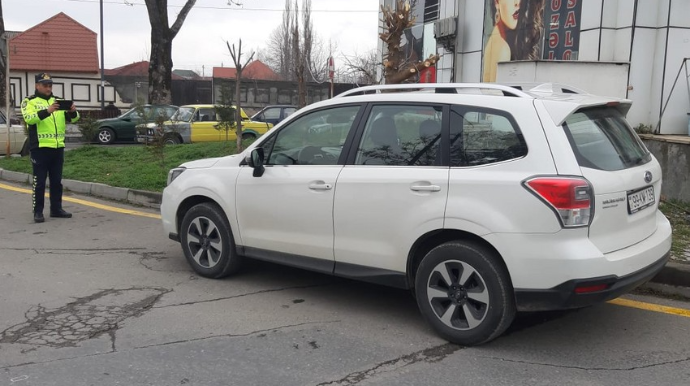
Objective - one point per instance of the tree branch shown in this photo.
(180, 18)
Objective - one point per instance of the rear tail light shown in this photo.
(591, 288)
(569, 197)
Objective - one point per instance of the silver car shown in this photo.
(19, 141)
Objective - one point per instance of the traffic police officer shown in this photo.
(46, 124)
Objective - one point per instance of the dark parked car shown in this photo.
(274, 113)
(122, 128)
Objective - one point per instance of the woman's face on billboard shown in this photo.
(509, 11)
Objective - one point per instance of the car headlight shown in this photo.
(174, 173)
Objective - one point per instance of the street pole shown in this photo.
(102, 64)
(7, 92)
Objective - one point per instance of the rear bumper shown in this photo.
(564, 296)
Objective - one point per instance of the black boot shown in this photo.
(60, 213)
(38, 217)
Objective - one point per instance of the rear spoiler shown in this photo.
(561, 110)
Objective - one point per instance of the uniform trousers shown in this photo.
(47, 162)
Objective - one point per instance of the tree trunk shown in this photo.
(396, 66)
(238, 107)
(160, 69)
(3, 60)
(162, 35)
(297, 55)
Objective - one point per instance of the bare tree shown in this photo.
(361, 69)
(236, 55)
(397, 67)
(302, 40)
(278, 54)
(280, 50)
(160, 63)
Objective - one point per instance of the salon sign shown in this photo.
(562, 29)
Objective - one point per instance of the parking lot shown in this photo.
(105, 298)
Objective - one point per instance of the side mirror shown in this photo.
(256, 161)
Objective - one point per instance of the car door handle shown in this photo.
(320, 186)
(425, 188)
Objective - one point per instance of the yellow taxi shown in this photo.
(199, 123)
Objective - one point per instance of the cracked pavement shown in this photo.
(106, 299)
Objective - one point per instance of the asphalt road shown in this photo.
(105, 298)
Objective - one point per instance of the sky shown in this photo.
(351, 25)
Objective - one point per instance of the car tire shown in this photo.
(207, 242)
(171, 140)
(105, 136)
(464, 293)
(248, 136)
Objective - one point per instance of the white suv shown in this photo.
(484, 199)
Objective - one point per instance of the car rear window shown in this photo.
(602, 139)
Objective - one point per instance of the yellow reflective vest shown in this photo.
(45, 129)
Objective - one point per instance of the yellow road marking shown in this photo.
(89, 203)
(650, 307)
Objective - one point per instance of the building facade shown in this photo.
(635, 49)
(67, 50)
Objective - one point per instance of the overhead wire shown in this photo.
(232, 8)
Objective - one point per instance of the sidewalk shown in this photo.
(673, 280)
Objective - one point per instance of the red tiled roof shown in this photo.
(59, 44)
(254, 70)
(224, 72)
(135, 69)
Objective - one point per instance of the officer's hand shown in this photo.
(73, 108)
(53, 108)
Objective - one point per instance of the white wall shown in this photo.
(84, 89)
(608, 79)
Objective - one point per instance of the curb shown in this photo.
(131, 196)
(673, 279)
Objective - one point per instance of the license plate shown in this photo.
(640, 199)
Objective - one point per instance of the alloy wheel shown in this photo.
(458, 295)
(104, 136)
(204, 242)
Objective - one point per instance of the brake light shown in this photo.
(569, 197)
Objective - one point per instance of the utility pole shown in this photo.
(331, 71)
(7, 92)
(102, 64)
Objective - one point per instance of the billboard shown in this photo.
(516, 30)
(562, 39)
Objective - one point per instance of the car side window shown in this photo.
(404, 135)
(207, 115)
(141, 113)
(288, 111)
(272, 113)
(313, 139)
(479, 137)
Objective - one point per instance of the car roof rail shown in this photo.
(447, 88)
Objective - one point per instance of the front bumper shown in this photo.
(564, 296)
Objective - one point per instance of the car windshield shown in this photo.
(184, 114)
(127, 113)
(602, 139)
